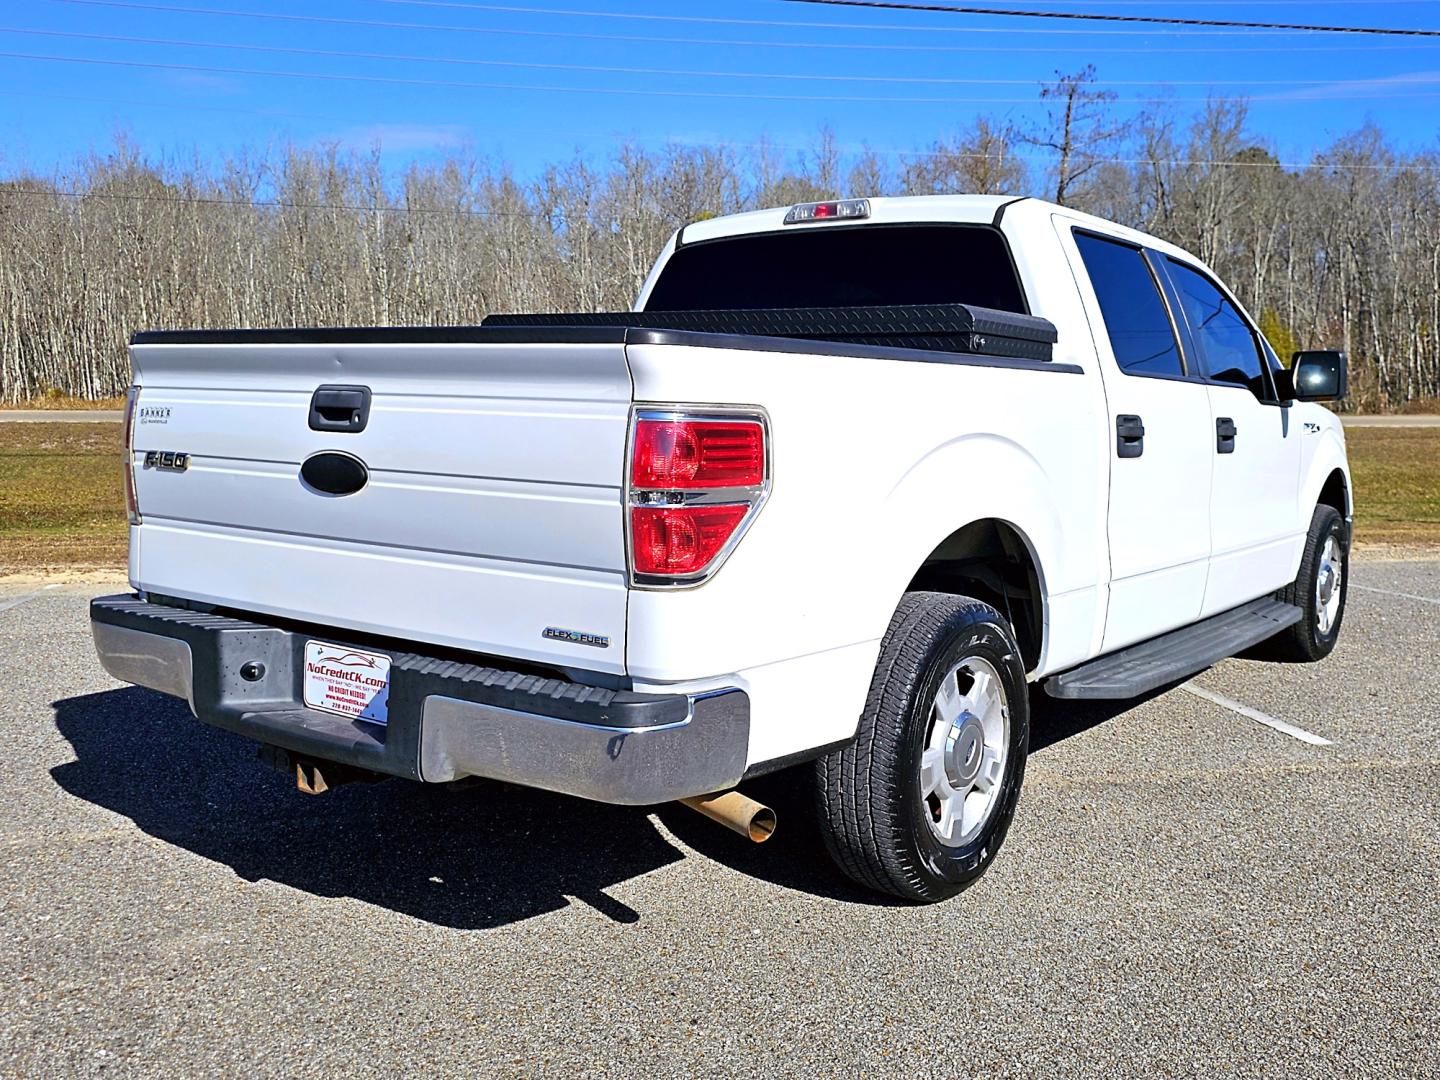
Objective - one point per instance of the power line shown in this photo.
(1164, 20)
(138, 5)
(471, 5)
(389, 80)
(618, 70)
(860, 46)
(1193, 3)
(1219, 3)
(280, 204)
(914, 155)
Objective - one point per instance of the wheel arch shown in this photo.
(1327, 478)
(981, 513)
(992, 559)
(1335, 491)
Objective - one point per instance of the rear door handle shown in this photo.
(340, 408)
(1224, 435)
(1129, 436)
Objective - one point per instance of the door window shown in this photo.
(1226, 341)
(1136, 319)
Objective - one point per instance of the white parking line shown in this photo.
(1256, 715)
(1392, 592)
(16, 601)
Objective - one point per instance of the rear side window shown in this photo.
(845, 266)
(1136, 319)
(1226, 341)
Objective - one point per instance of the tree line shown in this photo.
(1341, 250)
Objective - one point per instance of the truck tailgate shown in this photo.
(492, 510)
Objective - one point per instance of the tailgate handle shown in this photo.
(340, 408)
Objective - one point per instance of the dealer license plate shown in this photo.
(347, 682)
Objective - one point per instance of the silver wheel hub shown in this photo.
(967, 744)
(1328, 579)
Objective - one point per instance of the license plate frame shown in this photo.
(346, 681)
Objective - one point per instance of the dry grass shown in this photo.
(1420, 407)
(65, 402)
(62, 503)
(62, 500)
(1397, 485)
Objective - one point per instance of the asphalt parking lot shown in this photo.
(1186, 891)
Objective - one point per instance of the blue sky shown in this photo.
(438, 75)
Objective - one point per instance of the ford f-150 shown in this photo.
(850, 483)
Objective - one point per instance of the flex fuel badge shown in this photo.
(577, 637)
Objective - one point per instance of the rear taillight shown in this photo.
(681, 540)
(696, 480)
(698, 454)
(132, 505)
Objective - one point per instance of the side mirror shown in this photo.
(1320, 375)
(1284, 385)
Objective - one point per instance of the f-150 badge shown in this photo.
(172, 460)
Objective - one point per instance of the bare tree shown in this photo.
(1342, 251)
(981, 161)
(1079, 127)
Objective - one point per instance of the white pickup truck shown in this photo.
(849, 480)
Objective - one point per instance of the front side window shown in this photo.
(1136, 320)
(1224, 338)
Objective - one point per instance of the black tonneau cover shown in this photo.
(957, 328)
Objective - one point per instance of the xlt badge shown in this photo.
(577, 637)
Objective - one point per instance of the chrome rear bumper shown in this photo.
(447, 718)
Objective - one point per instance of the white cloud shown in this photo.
(1390, 87)
(402, 136)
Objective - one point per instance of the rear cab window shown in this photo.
(843, 266)
(1137, 320)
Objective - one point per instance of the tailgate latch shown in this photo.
(340, 408)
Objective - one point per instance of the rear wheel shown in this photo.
(919, 803)
(1318, 590)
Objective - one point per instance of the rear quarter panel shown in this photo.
(875, 462)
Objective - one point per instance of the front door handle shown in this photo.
(1224, 435)
(1129, 436)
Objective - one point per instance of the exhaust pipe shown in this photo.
(311, 776)
(737, 813)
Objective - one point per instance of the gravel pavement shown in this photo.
(1185, 892)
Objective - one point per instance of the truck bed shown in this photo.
(960, 328)
(492, 514)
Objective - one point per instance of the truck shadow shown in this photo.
(467, 857)
(1053, 721)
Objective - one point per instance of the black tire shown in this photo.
(870, 809)
(1305, 642)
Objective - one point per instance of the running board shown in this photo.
(1173, 656)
